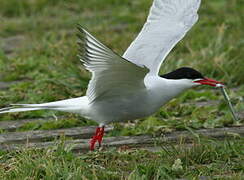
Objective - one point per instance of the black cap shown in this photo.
(183, 73)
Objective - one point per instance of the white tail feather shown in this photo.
(17, 109)
(75, 105)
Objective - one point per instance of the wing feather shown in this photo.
(166, 25)
(112, 75)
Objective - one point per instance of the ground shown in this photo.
(38, 50)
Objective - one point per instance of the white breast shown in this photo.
(137, 104)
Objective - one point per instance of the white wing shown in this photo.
(167, 24)
(112, 75)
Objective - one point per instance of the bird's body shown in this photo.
(137, 104)
(128, 87)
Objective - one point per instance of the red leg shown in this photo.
(93, 140)
(100, 136)
(97, 137)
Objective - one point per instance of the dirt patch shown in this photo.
(6, 85)
(10, 44)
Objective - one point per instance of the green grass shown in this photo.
(46, 63)
(208, 158)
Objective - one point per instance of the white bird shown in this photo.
(129, 87)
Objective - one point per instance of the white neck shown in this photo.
(163, 90)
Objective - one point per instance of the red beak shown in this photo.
(208, 81)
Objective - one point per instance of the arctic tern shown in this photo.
(128, 87)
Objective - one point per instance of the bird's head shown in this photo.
(191, 77)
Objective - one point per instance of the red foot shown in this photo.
(97, 137)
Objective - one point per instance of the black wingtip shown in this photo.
(81, 28)
(81, 32)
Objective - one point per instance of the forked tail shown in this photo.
(75, 105)
(18, 108)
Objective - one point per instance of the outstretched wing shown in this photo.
(112, 75)
(166, 25)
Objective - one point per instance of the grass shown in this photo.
(48, 69)
(210, 159)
